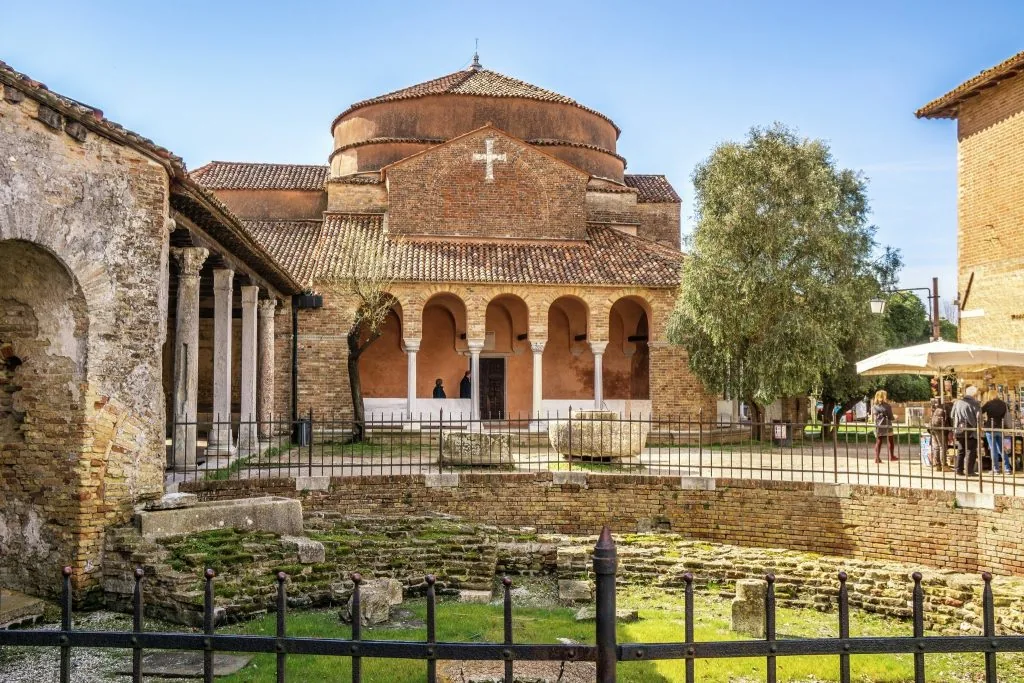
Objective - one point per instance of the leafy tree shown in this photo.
(779, 267)
(948, 330)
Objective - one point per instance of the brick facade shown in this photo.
(899, 525)
(530, 195)
(990, 245)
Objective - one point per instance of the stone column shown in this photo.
(248, 428)
(265, 394)
(538, 377)
(220, 442)
(186, 355)
(412, 346)
(598, 348)
(475, 347)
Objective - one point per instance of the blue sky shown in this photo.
(256, 81)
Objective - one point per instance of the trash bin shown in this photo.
(302, 433)
(781, 434)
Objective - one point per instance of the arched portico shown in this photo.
(568, 358)
(506, 364)
(383, 365)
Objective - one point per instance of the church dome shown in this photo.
(384, 129)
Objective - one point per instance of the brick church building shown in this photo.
(521, 249)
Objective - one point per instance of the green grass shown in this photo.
(661, 621)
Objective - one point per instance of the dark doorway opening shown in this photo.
(492, 388)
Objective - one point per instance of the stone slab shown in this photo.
(174, 664)
(312, 483)
(441, 481)
(475, 449)
(623, 616)
(479, 597)
(522, 672)
(173, 501)
(269, 513)
(18, 609)
(574, 478)
(979, 501)
(310, 551)
(572, 590)
(748, 607)
(697, 483)
(831, 490)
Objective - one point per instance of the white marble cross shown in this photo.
(489, 157)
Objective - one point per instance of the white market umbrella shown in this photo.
(939, 357)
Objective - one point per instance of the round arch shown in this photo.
(568, 363)
(627, 357)
(506, 364)
(382, 367)
(443, 350)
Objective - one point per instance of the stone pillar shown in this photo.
(248, 427)
(221, 441)
(538, 377)
(411, 347)
(598, 348)
(475, 347)
(186, 355)
(265, 397)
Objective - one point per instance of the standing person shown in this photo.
(938, 427)
(994, 412)
(965, 422)
(439, 388)
(466, 386)
(882, 413)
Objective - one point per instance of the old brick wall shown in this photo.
(659, 222)
(275, 204)
(83, 255)
(898, 525)
(990, 211)
(443, 191)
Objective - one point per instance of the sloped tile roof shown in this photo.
(652, 188)
(473, 81)
(608, 257)
(947, 106)
(292, 243)
(231, 175)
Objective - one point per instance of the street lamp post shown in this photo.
(878, 305)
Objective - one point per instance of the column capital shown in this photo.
(190, 259)
(223, 279)
(250, 294)
(598, 346)
(538, 346)
(267, 307)
(412, 345)
(475, 345)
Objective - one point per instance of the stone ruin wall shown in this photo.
(465, 555)
(928, 528)
(83, 267)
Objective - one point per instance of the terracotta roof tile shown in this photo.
(947, 106)
(291, 243)
(230, 175)
(471, 81)
(652, 188)
(609, 256)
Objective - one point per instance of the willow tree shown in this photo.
(366, 276)
(779, 269)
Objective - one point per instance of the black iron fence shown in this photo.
(606, 651)
(328, 445)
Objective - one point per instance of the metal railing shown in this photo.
(323, 445)
(606, 651)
